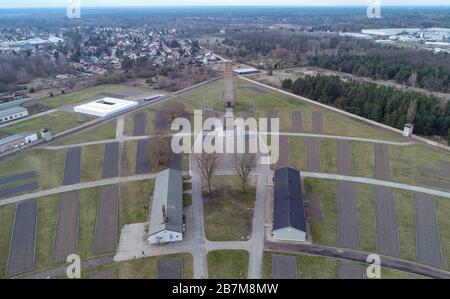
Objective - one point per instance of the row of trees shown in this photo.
(379, 103)
(410, 67)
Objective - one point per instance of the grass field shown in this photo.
(324, 232)
(103, 132)
(92, 157)
(49, 166)
(366, 214)
(6, 226)
(47, 215)
(78, 96)
(315, 267)
(144, 268)
(228, 212)
(135, 201)
(57, 122)
(404, 204)
(228, 264)
(88, 214)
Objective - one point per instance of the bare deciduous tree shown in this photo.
(243, 164)
(160, 149)
(207, 162)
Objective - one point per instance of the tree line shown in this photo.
(379, 103)
(412, 68)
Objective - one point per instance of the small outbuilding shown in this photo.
(246, 71)
(289, 221)
(166, 216)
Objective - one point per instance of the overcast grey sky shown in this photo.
(85, 3)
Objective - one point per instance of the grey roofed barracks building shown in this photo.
(289, 221)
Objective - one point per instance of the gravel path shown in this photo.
(428, 243)
(72, 166)
(348, 227)
(284, 267)
(297, 122)
(386, 222)
(317, 122)
(111, 160)
(350, 271)
(170, 268)
(107, 220)
(344, 160)
(66, 236)
(105, 274)
(381, 156)
(18, 177)
(143, 159)
(22, 249)
(139, 124)
(313, 154)
(283, 160)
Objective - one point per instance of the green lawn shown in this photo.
(78, 96)
(135, 201)
(57, 122)
(128, 160)
(144, 268)
(49, 166)
(325, 231)
(6, 226)
(228, 264)
(88, 214)
(104, 132)
(404, 205)
(47, 215)
(363, 161)
(92, 162)
(366, 215)
(405, 160)
(228, 212)
(316, 267)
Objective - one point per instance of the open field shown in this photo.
(228, 212)
(79, 96)
(144, 268)
(92, 162)
(228, 264)
(316, 267)
(103, 132)
(135, 200)
(6, 226)
(49, 166)
(47, 215)
(57, 122)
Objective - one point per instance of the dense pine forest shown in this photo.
(379, 103)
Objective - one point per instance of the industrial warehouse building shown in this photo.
(289, 221)
(13, 113)
(166, 215)
(16, 141)
(105, 107)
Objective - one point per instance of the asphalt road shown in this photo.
(357, 256)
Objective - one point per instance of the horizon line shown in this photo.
(221, 5)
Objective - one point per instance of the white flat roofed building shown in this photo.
(105, 107)
(246, 71)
